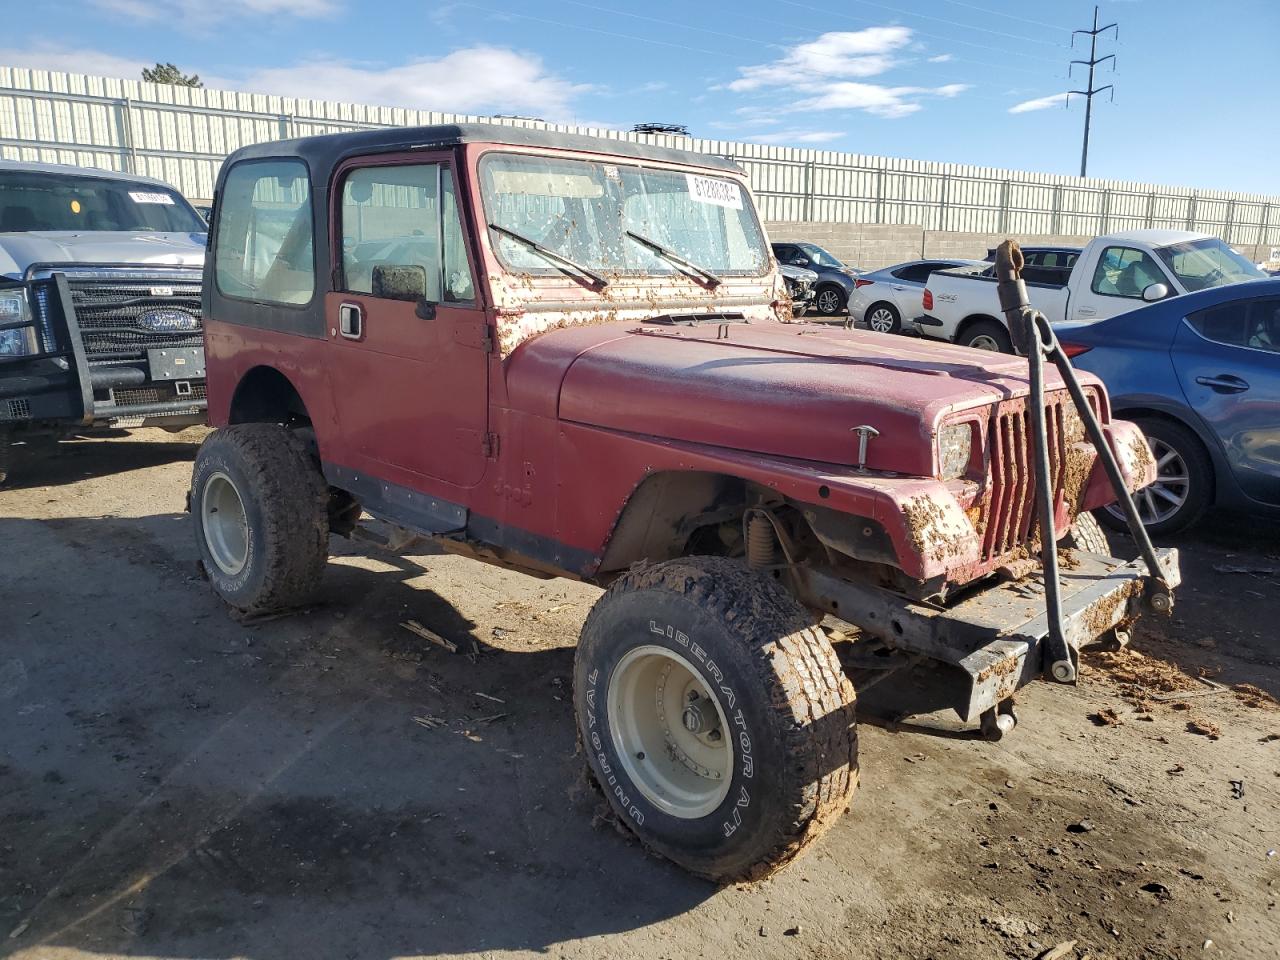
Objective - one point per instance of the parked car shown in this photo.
(883, 298)
(1200, 375)
(801, 285)
(835, 279)
(1112, 275)
(459, 336)
(100, 323)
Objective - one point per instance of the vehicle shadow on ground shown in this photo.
(1223, 611)
(53, 464)
(324, 785)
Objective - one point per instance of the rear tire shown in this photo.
(1185, 475)
(768, 760)
(830, 300)
(883, 318)
(986, 335)
(259, 505)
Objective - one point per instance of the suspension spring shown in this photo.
(762, 542)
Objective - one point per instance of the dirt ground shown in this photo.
(174, 784)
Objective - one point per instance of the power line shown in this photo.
(935, 36)
(1092, 91)
(765, 43)
(1007, 16)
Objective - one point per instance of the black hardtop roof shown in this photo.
(325, 152)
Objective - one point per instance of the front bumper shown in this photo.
(993, 642)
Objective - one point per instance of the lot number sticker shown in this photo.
(139, 197)
(722, 193)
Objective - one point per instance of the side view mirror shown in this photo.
(799, 262)
(404, 282)
(1157, 291)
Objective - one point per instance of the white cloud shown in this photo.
(1041, 103)
(941, 58)
(49, 57)
(861, 53)
(787, 137)
(881, 101)
(203, 12)
(478, 79)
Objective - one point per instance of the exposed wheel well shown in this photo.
(265, 395)
(969, 321)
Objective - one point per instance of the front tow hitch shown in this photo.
(1034, 337)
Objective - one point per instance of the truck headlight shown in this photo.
(17, 336)
(955, 443)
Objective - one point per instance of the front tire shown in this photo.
(259, 505)
(715, 718)
(883, 318)
(1087, 535)
(1183, 489)
(830, 300)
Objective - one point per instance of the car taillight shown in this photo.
(928, 299)
(1074, 349)
(862, 283)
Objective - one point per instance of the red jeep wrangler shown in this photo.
(574, 357)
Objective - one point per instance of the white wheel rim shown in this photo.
(1168, 494)
(828, 301)
(984, 342)
(670, 732)
(225, 524)
(881, 321)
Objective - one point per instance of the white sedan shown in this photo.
(883, 298)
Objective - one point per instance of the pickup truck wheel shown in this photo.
(883, 318)
(259, 505)
(715, 718)
(830, 300)
(986, 335)
(1183, 488)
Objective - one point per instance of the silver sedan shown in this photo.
(882, 299)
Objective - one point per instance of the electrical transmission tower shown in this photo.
(1093, 61)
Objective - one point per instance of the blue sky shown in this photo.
(968, 81)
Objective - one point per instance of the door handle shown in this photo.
(351, 321)
(898, 288)
(1224, 383)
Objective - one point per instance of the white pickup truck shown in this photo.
(1111, 275)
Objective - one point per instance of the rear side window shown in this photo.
(264, 249)
(1241, 323)
(1125, 272)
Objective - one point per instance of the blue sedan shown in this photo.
(1201, 375)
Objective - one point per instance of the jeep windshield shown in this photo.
(33, 201)
(617, 218)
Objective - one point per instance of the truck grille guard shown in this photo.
(1034, 337)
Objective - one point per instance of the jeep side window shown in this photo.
(393, 216)
(264, 239)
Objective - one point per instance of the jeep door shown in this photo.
(409, 358)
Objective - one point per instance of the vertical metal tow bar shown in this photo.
(1034, 337)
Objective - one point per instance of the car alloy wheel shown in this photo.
(1160, 501)
(225, 523)
(829, 301)
(881, 320)
(984, 342)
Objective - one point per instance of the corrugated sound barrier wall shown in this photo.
(182, 134)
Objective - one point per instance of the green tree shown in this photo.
(168, 73)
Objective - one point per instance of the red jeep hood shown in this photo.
(792, 390)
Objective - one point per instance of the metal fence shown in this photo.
(181, 135)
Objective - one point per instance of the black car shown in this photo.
(835, 280)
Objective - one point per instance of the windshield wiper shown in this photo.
(557, 258)
(688, 267)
